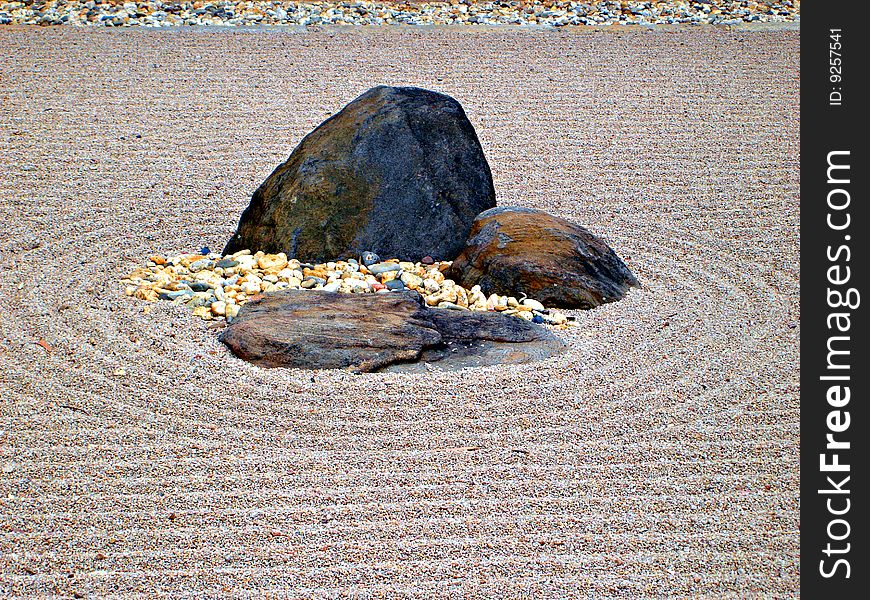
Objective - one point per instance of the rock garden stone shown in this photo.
(520, 251)
(397, 172)
(314, 329)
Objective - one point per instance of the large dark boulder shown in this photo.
(398, 171)
(514, 251)
(313, 329)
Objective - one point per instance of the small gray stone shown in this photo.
(198, 286)
(370, 258)
(316, 280)
(175, 295)
(199, 265)
(226, 263)
(395, 285)
(379, 268)
(196, 302)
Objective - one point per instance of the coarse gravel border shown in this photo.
(509, 13)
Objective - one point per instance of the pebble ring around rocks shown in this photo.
(215, 287)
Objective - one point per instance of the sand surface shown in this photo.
(657, 457)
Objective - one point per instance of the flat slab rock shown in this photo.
(313, 329)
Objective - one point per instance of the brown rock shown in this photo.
(513, 251)
(313, 329)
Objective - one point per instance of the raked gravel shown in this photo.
(657, 457)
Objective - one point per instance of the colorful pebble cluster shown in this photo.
(548, 13)
(216, 286)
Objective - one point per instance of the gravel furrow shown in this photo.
(658, 456)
